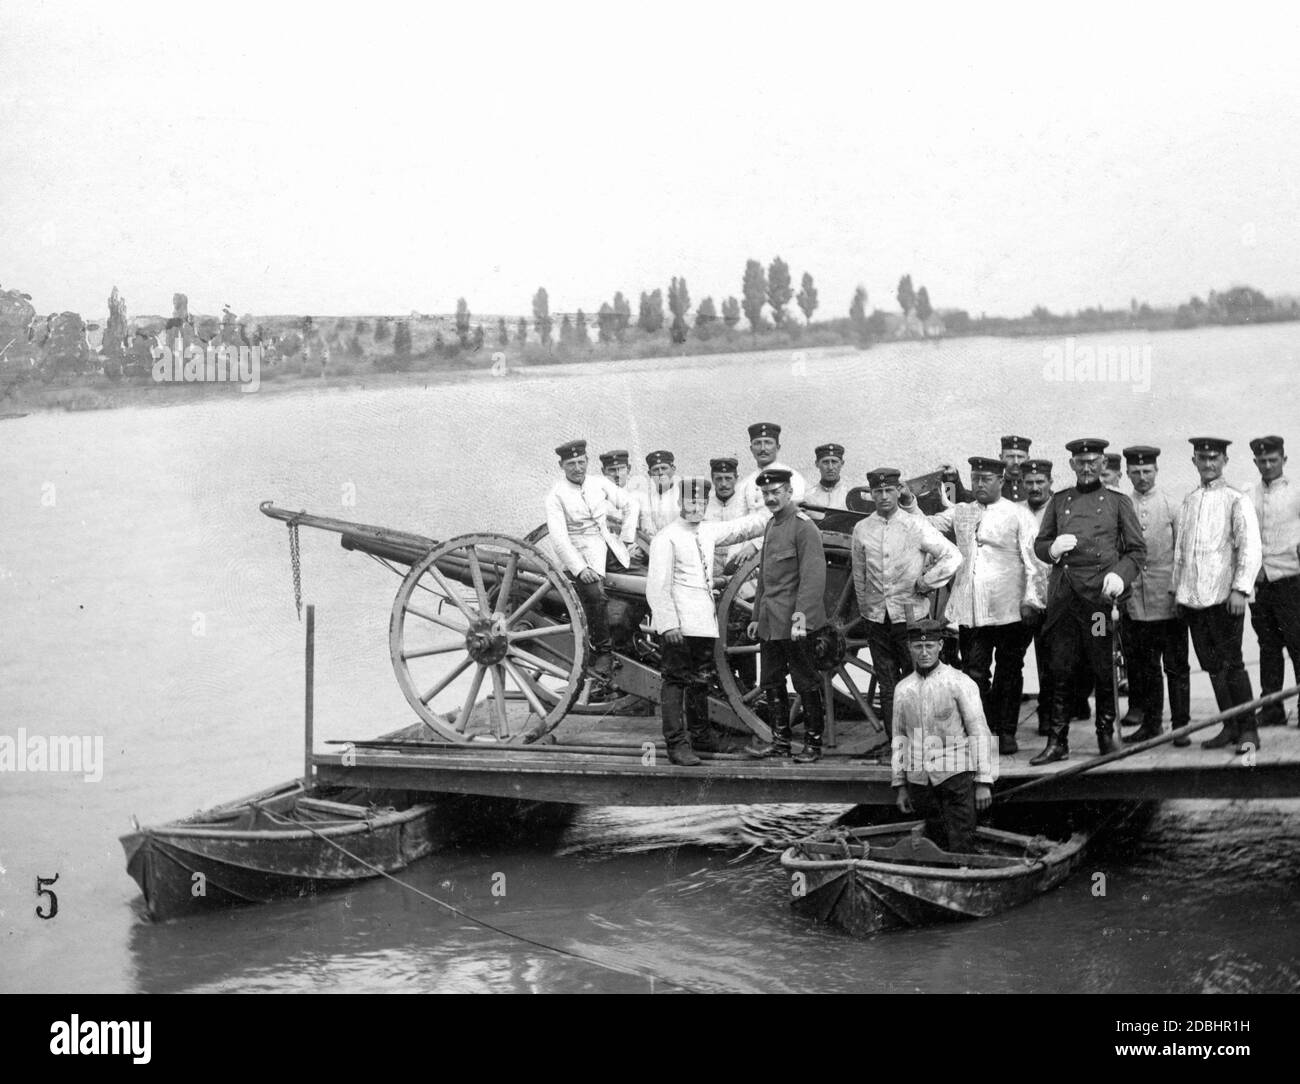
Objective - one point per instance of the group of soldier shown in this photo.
(1067, 571)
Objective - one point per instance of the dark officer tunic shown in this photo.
(1013, 488)
(1109, 537)
(1077, 624)
(792, 577)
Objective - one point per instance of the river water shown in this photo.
(144, 600)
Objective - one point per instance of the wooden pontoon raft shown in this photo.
(487, 641)
(606, 762)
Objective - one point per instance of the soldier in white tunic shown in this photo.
(765, 446)
(577, 520)
(659, 504)
(1217, 556)
(679, 589)
(898, 562)
(725, 503)
(1153, 632)
(831, 490)
(1275, 613)
(616, 465)
(997, 587)
(943, 766)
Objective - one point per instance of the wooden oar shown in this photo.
(1151, 743)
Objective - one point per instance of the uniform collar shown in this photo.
(1089, 488)
(1218, 483)
(1279, 481)
(786, 513)
(939, 667)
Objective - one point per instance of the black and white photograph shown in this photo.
(650, 500)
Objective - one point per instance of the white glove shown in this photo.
(1112, 586)
(1064, 544)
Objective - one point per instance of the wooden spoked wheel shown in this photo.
(488, 640)
(735, 655)
(849, 688)
(624, 704)
(848, 679)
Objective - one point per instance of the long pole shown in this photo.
(1151, 743)
(309, 694)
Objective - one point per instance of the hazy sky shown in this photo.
(389, 157)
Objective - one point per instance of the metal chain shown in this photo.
(296, 561)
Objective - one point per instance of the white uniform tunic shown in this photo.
(1217, 547)
(1043, 571)
(999, 572)
(679, 585)
(658, 509)
(754, 496)
(577, 522)
(614, 517)
(717, 511)
(818, 496)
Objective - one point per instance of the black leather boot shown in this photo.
(1058, 728)
(601, 687)
(814, 722)
(704, 739)
(1226, 736)
(1149, 729)
(1106, 721)
(1180, 704)
(778, 711)
(683, 755)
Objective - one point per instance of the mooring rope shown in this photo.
(482, 922)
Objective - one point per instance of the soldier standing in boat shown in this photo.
(831, 490)
(888, 552)
(1091, 537)
(765, 446)
(577, 514)
(789, 610)
(1216, 560)
(1153, 632)
(1275, 613)
(679, 590)
(943, 761)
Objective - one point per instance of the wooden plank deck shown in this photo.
(848, 774)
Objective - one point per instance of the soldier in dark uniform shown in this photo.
(789, 610)
(1015, 452)
(1112, 472)
(1093, 540)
